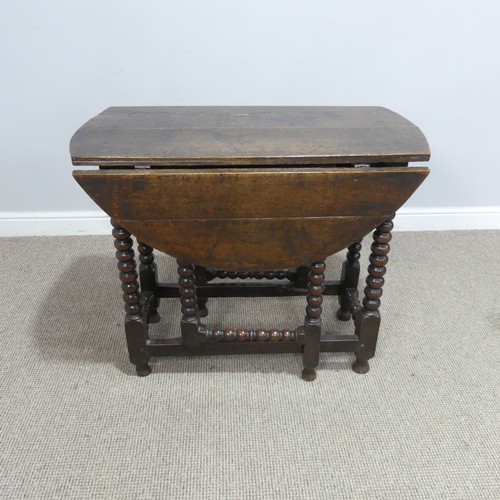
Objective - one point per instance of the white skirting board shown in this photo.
(96, 222)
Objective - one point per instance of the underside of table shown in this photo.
(194, 288)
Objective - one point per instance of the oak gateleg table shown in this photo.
(258, 193)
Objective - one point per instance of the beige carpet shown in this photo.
(424, 423)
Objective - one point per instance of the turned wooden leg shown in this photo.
(201, 279)
(148, 275)
(191, 328)
(350, 278)
(136, 325)
(367, 320)
(312, 322)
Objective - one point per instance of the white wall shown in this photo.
(436, 62)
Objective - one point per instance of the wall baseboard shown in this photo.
(96, 222)
(448, 218)
(54, 223)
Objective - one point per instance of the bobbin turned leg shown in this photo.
(136, 325)
(367, 320)
(312, 323)
(191, 328)
(350, 278)
(148, 274)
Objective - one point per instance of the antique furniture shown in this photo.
(253, 193)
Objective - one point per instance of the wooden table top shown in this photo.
(247, 135)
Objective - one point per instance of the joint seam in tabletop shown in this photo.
(257, 127)
(256, 170)
(236, 219)
(248, 161)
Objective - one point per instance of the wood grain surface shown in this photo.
(256, 193)
(235, 135)
(251, 219)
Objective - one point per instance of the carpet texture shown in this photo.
(424, 423)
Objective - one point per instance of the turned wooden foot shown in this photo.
(154, 317)
(143, 370)
(360, 366)
(343, 315)
(309, 374)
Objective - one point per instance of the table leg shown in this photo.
(191, 327)
(201, 279)
(312, 323)
(367, 320)
(136, 325)
(148, 275)
(350, 278)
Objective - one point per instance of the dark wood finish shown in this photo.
(253, 244)
(243, 275)
(191, 328)
(232, 191)
(201, 280)
(136, 326)
(301, 279)
(171, 290)
(312, 322)
(230, 334)
(212, 194)
(367, 320)
(353, 297)
(176, 347)
(350, 278)
(189, 214)
(169, 136)
(148, 275)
